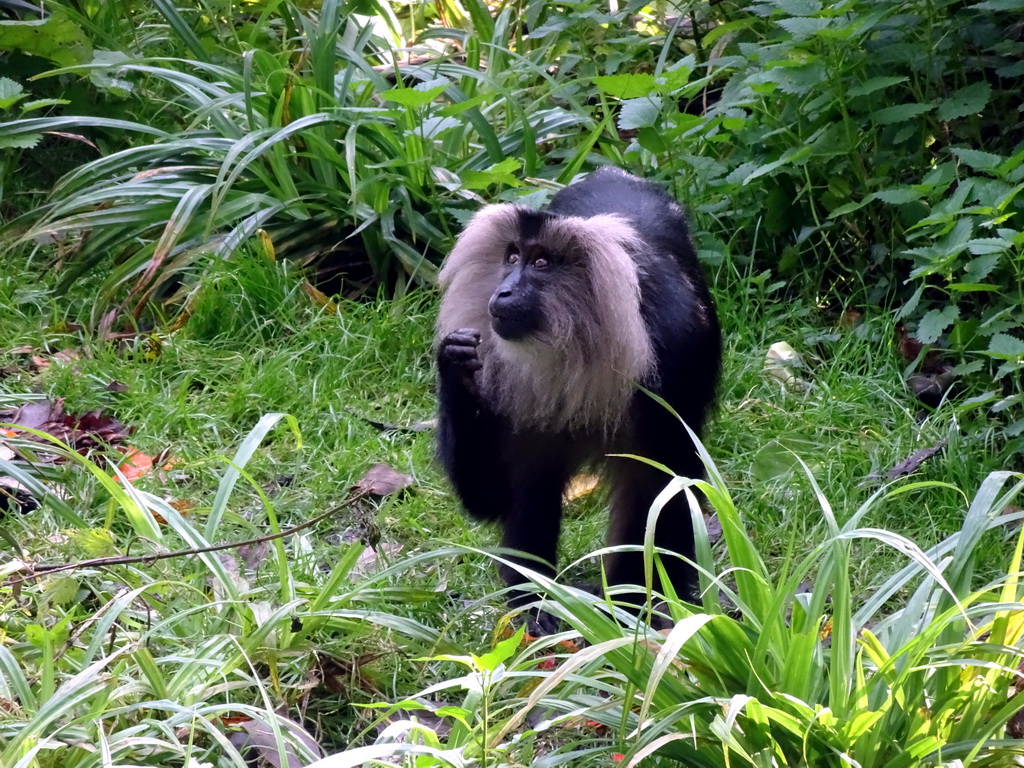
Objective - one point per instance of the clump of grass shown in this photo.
(763, 672)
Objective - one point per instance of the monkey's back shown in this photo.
(676, 303)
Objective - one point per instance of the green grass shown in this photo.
(197, 393)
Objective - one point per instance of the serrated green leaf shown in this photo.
(980, 268)
(968, 100)
(965, 369)
(805, 26)
(675, 78)
(846, 208)
(897, 195)
(639, 113)
(900, 113)
(627, 86)
(976, 159)
(874, 84)
(31, 106)
(1006, 346)
(21, 141)
(935, 322)
(798, 7)
(981, 246)
(434, 126)
(11, 92)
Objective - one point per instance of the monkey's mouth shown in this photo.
(513, 326)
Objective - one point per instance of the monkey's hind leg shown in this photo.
(636, 487)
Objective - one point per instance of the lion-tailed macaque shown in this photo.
(549, 321)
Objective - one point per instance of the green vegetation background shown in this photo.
(235, 210)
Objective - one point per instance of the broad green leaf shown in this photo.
(500, 173)
(935, 322)
(976, 159)
(11, 92)
(968, 100)
(999, 5)
(1006, 346)
(639, 113)
(973, 287)
(802, 27)
(900, 113)
(413, 97)
(25, 141)
(56, 38)
(627, 86)
(980, 268)
(982, 246)
(502, 652)
(874, 84)
(897, 195)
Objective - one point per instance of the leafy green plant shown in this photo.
(193, 661)
(767, 671)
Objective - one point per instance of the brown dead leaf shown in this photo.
(82, 432)
(136, 464)
(714, 526)
(580, 486)
(65, 356)
(908, 346)
(382, 480)
(850, 318)
(913, 462)
(370, 560)
(417, 426)
(319, 298)
(259, 737)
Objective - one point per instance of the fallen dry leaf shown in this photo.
(913, 462)
(136, 464)
(370, 558)
(382, 480)
(850, 318)
(82, 432)
(259, 737)
(417, 426)
(319, 298)
(580, 486)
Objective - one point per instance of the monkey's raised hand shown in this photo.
(457, 358)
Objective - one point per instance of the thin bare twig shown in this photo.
(43, 570)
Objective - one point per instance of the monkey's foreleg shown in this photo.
(470, 437)
(532, 526)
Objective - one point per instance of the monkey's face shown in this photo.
(516, 306)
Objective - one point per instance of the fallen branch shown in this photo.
(100, 562)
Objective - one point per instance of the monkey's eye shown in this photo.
(540, 263)
(512, 257)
